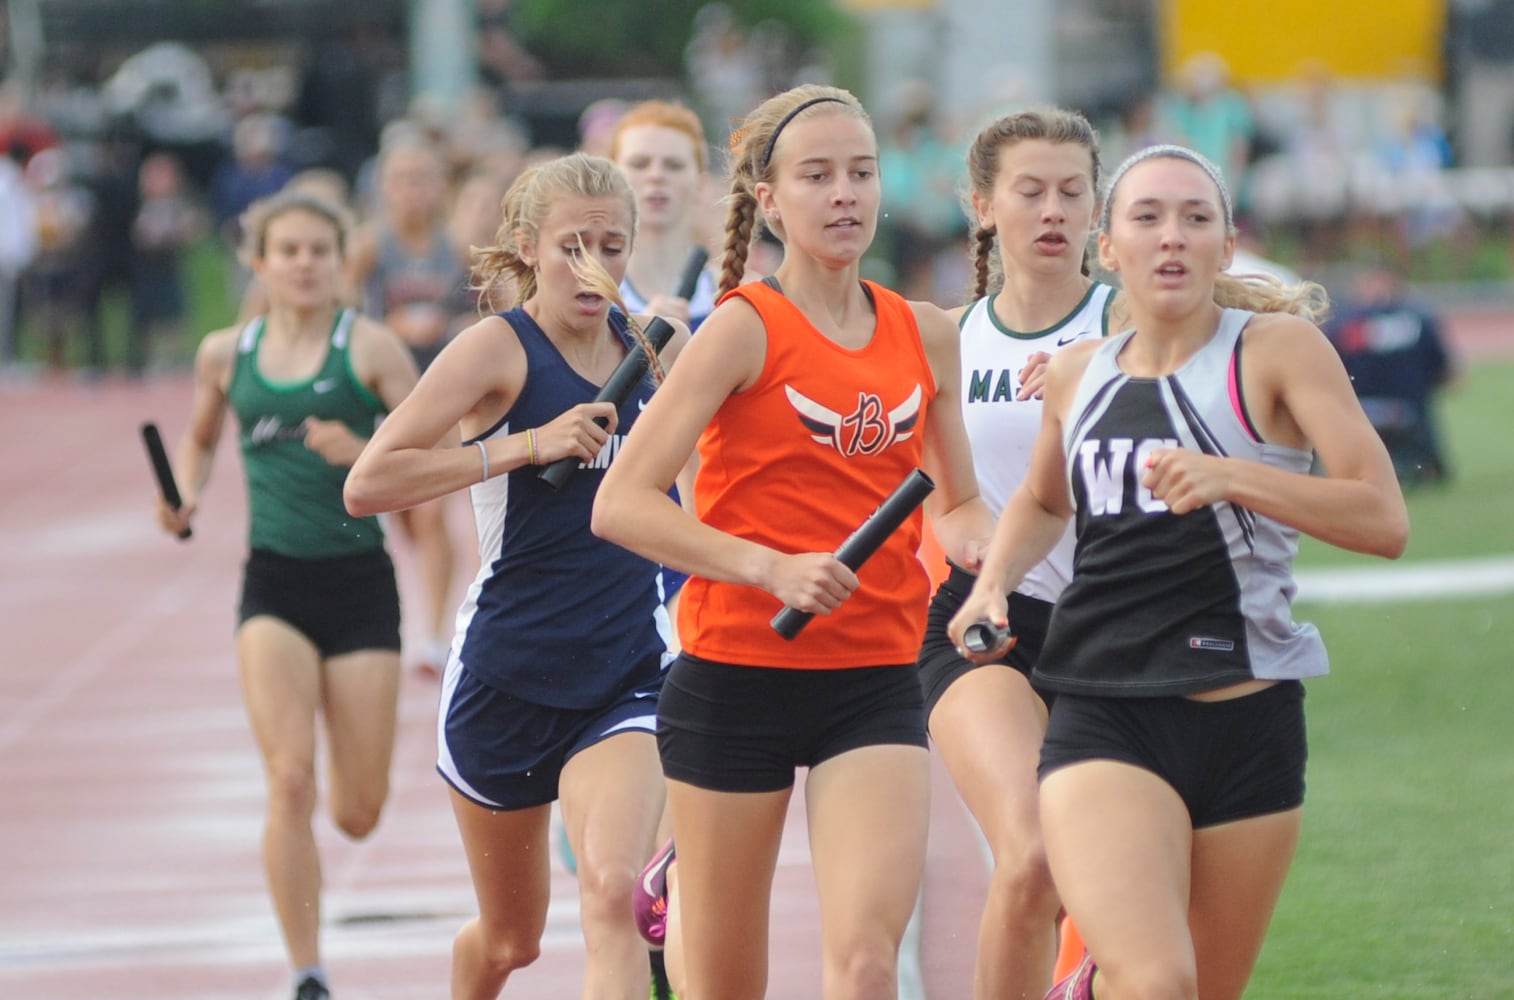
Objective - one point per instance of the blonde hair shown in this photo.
(1051, 124)
(526, 205)
(668, 115)
(261, 213)
(1260, 293)
(751, 160)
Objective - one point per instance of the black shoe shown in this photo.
(311, 988)
(661, 989)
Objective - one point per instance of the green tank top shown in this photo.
(295, 495)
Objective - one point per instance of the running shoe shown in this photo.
(649, 900)
(311, 988)
(1079, 982)
(661, 988)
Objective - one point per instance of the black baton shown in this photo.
(863, 542)
(632, 366)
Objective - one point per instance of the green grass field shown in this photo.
(1404, 883)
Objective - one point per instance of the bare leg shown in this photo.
(281, 687)
(507, 857)
(727, 853)
(361, 694)
(988, 727)
(612, 796)
(868, 813)
(1119, 842)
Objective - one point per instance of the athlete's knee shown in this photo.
(503, 949)
(291, 788)
(1152, 977)
(865, 972)
(604, 896)
(357, 819)
(1022, 877)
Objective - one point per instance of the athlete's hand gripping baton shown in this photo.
(163, 471)
(631, 367)
(863, 542)
(981, 637)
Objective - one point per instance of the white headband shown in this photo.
(1175, 153)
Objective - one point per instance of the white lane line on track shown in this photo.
(1490, 577)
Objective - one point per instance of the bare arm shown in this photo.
(633, 508)
(471, 385)
(962, 521)
(1299, 395)
(1036, 514)
(196, 452)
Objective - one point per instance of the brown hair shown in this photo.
(261, 213)
(668, 115)
(524, 208)
(1051, 124)
(751, 156)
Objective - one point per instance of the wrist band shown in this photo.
(531, 446)
(484, 451)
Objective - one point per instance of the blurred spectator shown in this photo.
(1318, 146)
(1408, 163)
(107, 247)
(168, 93)
(502, 59)
(410, 276)
(1206, 113)
(22, 134)
(1398, 363)
(51, 291)
(18, 246)
(499, 147)
(918, 170)
(1250, 256)
(255, 169)
(1135, 127)
(337, 104)
(168, 221)
(725, 73)
(474, 222)
(596, 124)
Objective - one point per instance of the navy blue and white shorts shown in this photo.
(507, 753)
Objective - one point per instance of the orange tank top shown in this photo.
(799, 460)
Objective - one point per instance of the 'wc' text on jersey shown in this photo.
(1111, 469)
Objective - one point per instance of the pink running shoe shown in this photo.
(649, 900)
(1079, 982)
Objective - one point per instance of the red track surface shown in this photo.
(131, 795)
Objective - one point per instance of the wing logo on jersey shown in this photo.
(867, 430)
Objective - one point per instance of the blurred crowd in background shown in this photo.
(110, 184)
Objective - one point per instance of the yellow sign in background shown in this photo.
(1267, 41)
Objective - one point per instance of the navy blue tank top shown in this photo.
(557, 616)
